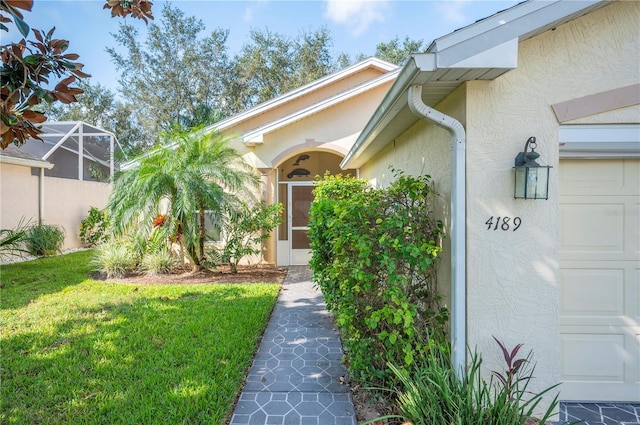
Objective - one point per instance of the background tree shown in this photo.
(174, 73)
(396, 52)
(271, 64)
(98, 106)
(27, 67)
(194, 174)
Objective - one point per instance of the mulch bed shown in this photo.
(222, 274)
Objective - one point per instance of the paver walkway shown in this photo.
(296, 375)
(601, 413)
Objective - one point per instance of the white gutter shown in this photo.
(5, 159)
(458, 228)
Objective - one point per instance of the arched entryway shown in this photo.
(295, 180)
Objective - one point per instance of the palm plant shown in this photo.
(193, 174)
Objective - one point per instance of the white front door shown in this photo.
(300, 199)
(600, 279)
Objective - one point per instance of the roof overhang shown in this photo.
(256, 136)
(482, 51)
(370, 63)
(25, 162)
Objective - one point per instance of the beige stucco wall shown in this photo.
(18, 196)
(512, 276)
(332, 130)
(424, 149)
(66, 201)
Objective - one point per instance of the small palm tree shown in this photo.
(193, 174)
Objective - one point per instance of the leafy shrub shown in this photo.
(44, 239)
(114, 259)
(159, 262)
(374, 258)
(94, 228)
(244, 230)
(430, 392)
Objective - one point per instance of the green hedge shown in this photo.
(375, 253)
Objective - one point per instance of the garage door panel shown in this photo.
(600, 279)
(592, 356)
(592, 177)
(591, 228)
(592, 292)
(600, 363)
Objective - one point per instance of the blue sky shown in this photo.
(356, 26)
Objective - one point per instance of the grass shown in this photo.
(78, 351)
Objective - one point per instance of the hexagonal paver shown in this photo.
(296, 376)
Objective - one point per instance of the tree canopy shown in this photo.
(29, 65)
(173, 75)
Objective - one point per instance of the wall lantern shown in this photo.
(532, 179)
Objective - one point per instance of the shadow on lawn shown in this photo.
(20, 283)
(174, 358)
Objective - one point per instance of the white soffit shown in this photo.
(600, 141)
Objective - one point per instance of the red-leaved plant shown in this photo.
(510, 378)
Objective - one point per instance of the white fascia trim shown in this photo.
(391, 103)
(600, 141)
(256, 136)
(303, 91)
(509, 24)
(25, 162)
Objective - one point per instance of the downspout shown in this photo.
(458, 227)
(41, 196)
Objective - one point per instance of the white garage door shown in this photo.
(600, 279)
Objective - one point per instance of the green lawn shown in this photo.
(78, 351)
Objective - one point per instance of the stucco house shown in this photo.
(50, 182)
(561, 275)
(301, 134)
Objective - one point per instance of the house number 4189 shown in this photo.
(503, 223)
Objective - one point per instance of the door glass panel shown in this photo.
(300, 239)
(301, 198)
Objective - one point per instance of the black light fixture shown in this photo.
(532, 179)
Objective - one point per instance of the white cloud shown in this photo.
(357, 14)
(452, 11)
(248, 14)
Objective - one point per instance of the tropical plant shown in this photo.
(43, 240)
(94, 228)
(159, 262)
(430, 392)
(194, 174)
(113, 259)
(12, 241)
(244, 231)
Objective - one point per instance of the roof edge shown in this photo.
(24, 162)
(380, 64)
